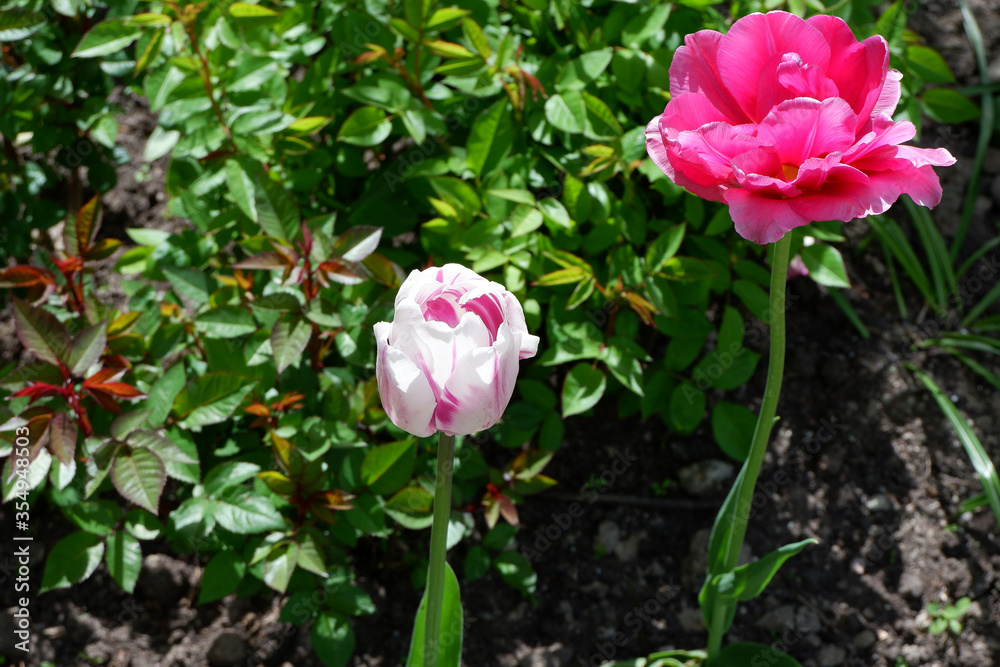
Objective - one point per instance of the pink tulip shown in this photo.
(790, 121)
(448, 360)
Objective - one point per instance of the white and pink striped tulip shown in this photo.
(448, 361)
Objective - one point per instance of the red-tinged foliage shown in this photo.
(37, 390)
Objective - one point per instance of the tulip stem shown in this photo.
(738, 515)
(439, 547)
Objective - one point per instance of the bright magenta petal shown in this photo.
(694, 70)
(753, 48)
(802, 128)
(689, 111)
(761, 219)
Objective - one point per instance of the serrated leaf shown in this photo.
(244, 513)
(211, 398)
(139, 475)
(241, 188)
(106, 38)
(289, 338)
(490, 138)
(41, 333)
(277, 212)
(63, 432)
(226, 321)
(73, 559)
(190, 283)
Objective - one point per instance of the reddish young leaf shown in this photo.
(69, 265)
(102, 249)
(264, 261)
(340, 272)
(118, 389)
(37, 390)
(26, 276)
(79, 237)
(88, 346)
(40, 332)
(258, 410)
(123, 323)
(507, 509)
(62, 437)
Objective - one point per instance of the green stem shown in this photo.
(439, 547)
(747, 479)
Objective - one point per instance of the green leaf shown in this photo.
(754, 298)
(447, 17)
(892, 23)
(477, 562)
(645, 24)
(125, 424)
(475, 35)
(825, 264)
(386, 468)
(289, 339)
(98, 517)
(746, 582)
(225, 321)
(142, 525)
(241, 188)
(17, 24)
(974, 449)
(311, 555)
(606, 124)
(411, 507)
(555, 212)
(40, 332)
(748, 653)
(367, 126)
(332, 636)
(490, 138)
(211, 398)
(515, 195)
(525, 219)
(222, 575)
(664, 248)
(567, 112)
(583, 70)
(73, 559)
(106, 38)
(163, 393)
(124, 559)
(357, 243)
(190, 283)
(687, 407)
(243, 512)
(279, 566)
(928, 64)
(948, 106)
(733, 426)
(139, 475)
(582, 389)
(450, 632)
(251, 16)
(277, 212)
(228, 475)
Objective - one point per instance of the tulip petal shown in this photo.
(694, 69)
(859, 69)
(804, 128)
(405, 392)
(750, 53)
(761, 219)
(515, 320)
(480, 388)
(689, 111)
(889, 96)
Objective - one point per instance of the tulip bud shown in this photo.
(448, 361)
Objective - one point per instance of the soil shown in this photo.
(862, 460)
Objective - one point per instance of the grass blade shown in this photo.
(973, 447)
(891, 235)
(935, 250)
(848, 310)
(983, 304)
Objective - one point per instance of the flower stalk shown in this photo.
(746, 482)
(439, 547)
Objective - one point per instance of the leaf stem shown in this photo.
(746, 481)
(439, 544)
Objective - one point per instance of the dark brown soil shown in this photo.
(862, 460)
